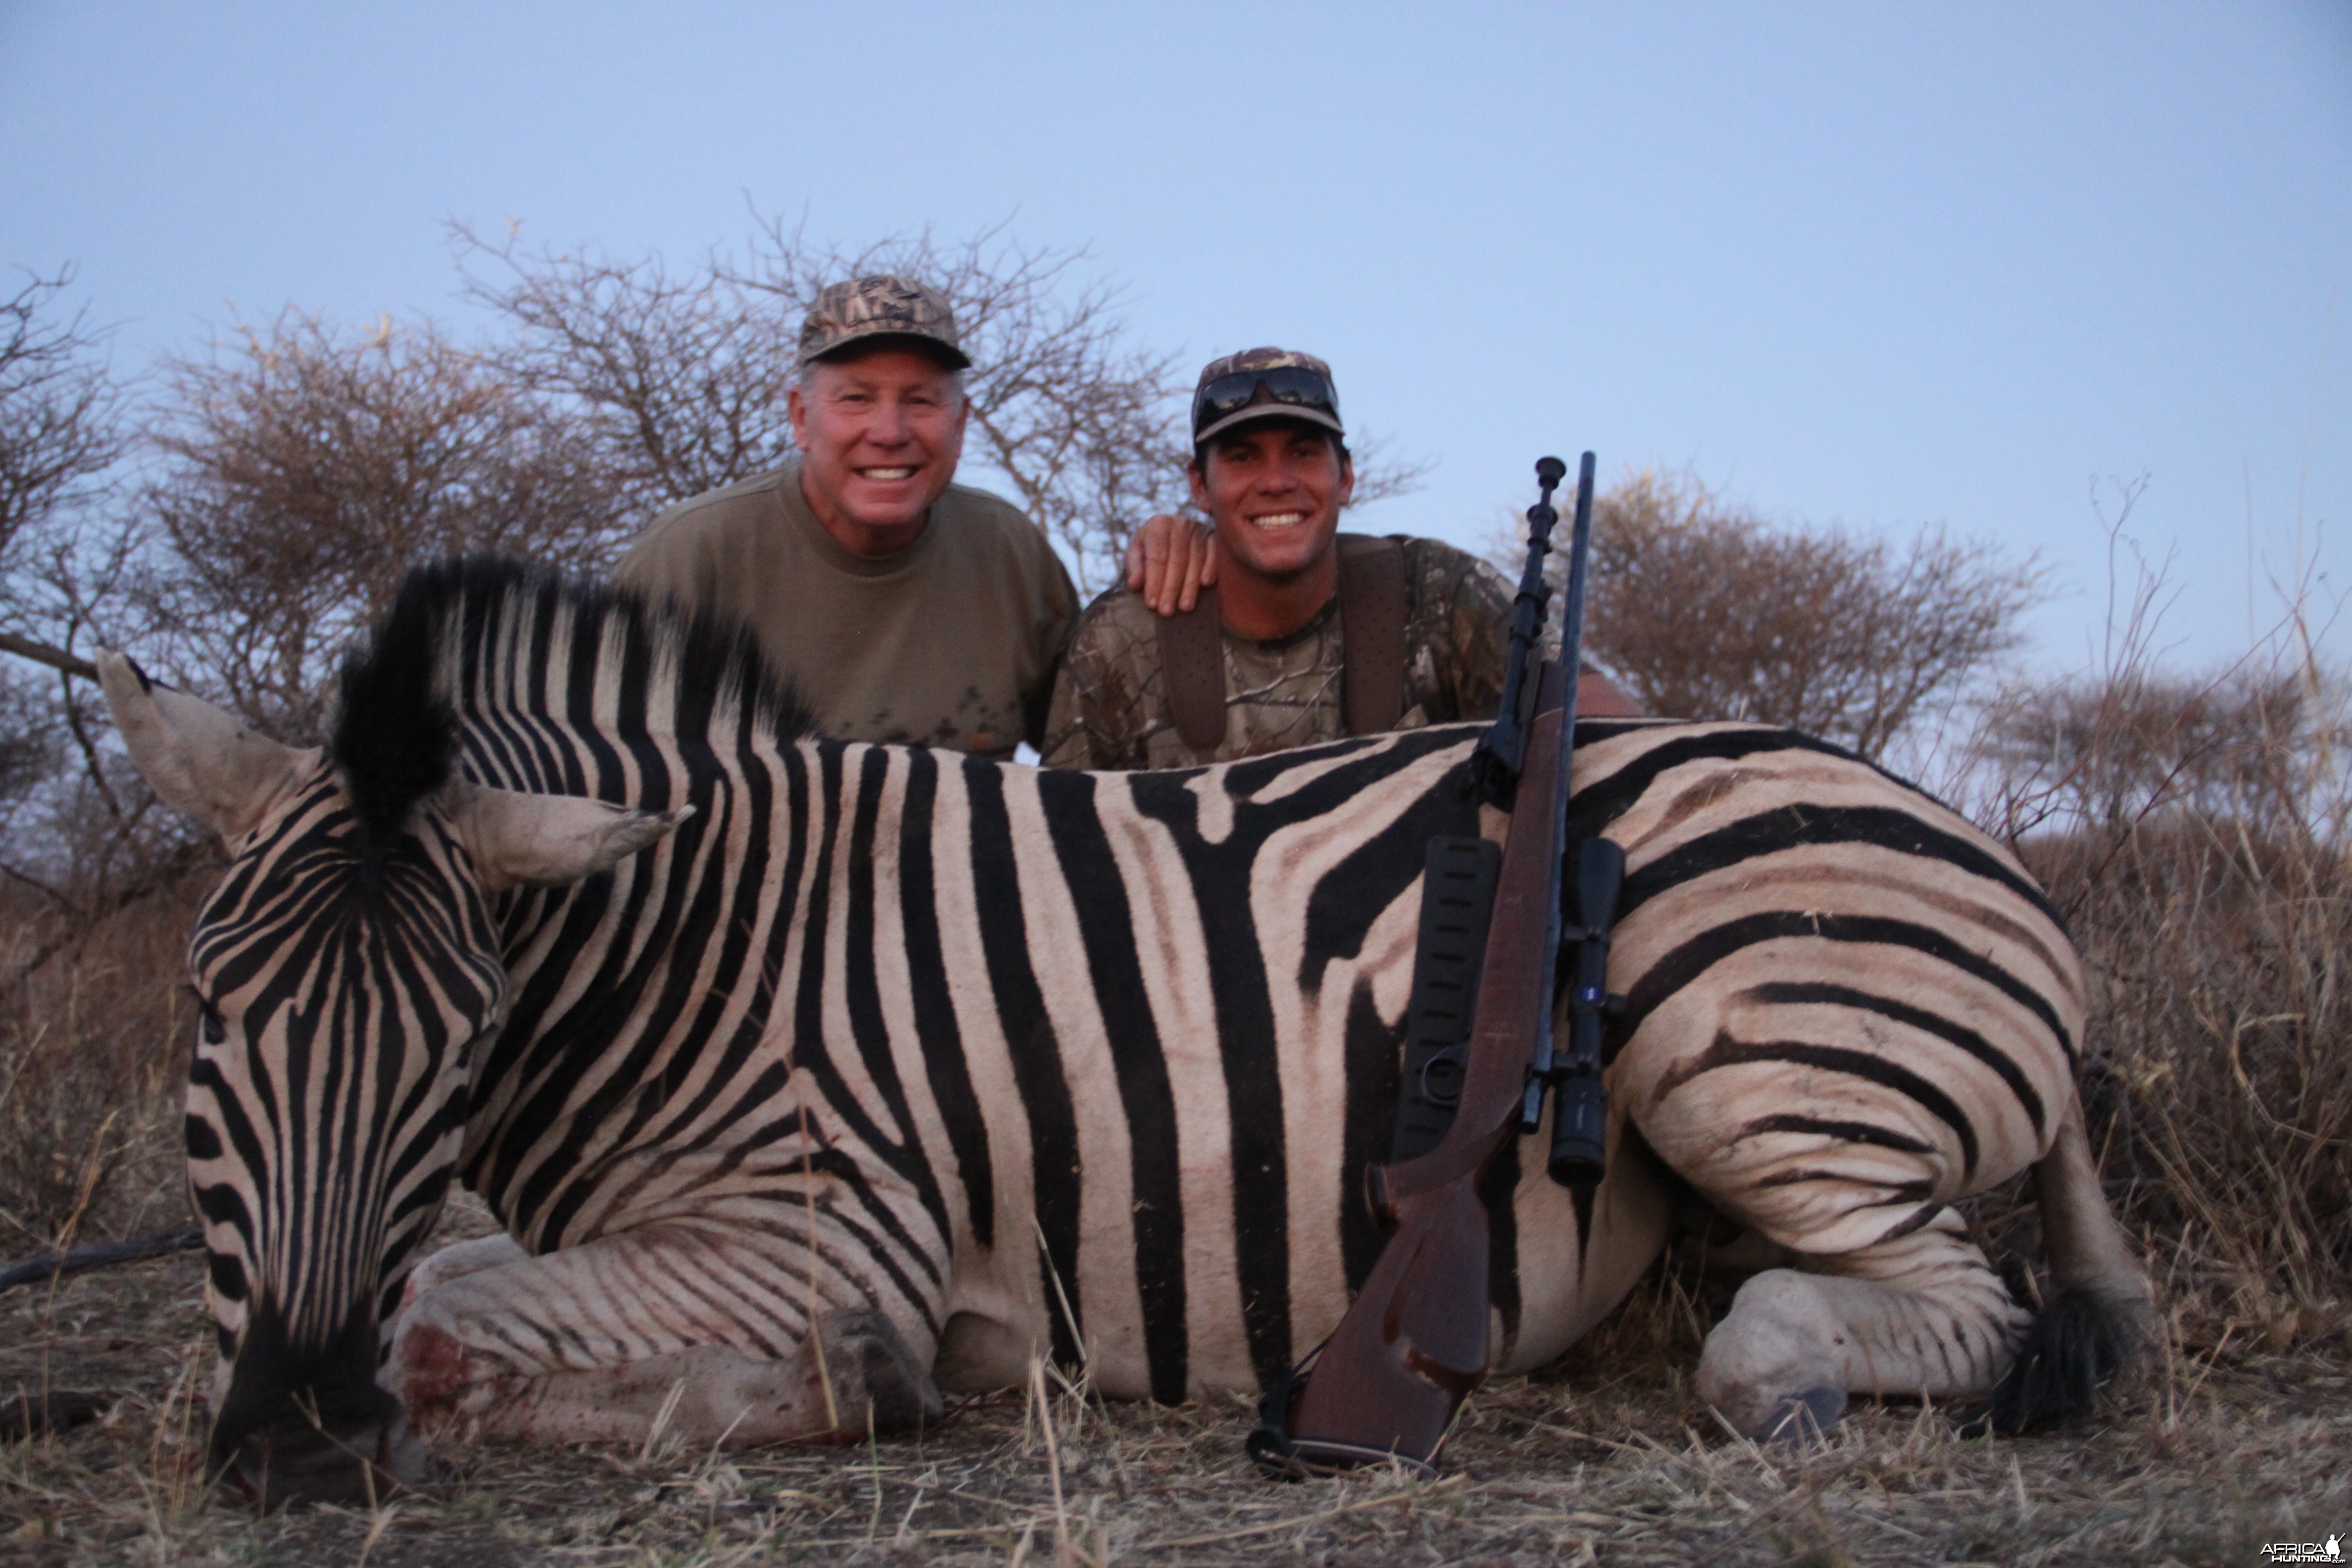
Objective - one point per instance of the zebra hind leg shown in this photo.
(1923, 1315)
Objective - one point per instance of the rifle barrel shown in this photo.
(1571, 641)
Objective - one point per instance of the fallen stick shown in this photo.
(103, 1254)
(31, 1415)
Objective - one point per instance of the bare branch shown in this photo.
(56, 659)
(675, 383)
(61, 413)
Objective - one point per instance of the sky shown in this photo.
(1989, 266)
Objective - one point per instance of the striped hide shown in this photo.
(809, 1078)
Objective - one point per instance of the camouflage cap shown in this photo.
(1257, 389)
(880, 306)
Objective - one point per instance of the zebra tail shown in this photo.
(2096, 1321)
(2082, 1339)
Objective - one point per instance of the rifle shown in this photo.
(1412, 1345)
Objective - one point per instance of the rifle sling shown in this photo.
(1373, 605)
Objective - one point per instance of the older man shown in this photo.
(1309, 634)
(906, 607)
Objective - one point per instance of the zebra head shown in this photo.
(345, 967)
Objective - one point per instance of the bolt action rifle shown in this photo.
(1479, 1059)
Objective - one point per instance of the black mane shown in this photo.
(396, 738)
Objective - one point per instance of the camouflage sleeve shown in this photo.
(1066, 742)
(1050, 641)
(1478, 623)
(1096, 718)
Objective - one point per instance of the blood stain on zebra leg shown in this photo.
(434, 1371)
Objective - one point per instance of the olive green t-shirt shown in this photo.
(1110, 703)
(951, 642)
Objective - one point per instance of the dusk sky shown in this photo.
(1883, 264)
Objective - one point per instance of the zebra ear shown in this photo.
(199, 760)
(549, 840)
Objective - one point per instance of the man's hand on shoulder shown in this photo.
(1170, 560)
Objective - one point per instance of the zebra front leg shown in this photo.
(700, 1331)
(1921, 1315)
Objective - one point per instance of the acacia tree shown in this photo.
(2250, 746)
(79, 838)
(307, 468)
(61, 413)
(59, 433)
(1704, 610)
(63, 430)
(675, 379)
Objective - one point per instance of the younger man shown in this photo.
(1264, 661)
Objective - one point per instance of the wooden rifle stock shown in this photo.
(1413, 1343)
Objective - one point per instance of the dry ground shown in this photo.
(1604, 1458)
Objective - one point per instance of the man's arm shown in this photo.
(1051, 641)
(1065, 743)
(1100, 713)
(1598, 697)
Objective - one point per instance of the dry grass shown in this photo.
(93, 1064)
(2195, 834)
(1604, 1458)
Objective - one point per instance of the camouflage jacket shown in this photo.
(1110, 705)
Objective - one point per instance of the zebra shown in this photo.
(810, 1078)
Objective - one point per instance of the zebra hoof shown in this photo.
(871, 1363)
(1805, 1417)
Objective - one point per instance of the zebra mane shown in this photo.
(397, 735)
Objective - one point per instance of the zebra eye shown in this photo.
(215, 1027)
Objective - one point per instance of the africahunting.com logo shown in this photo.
(2331, 1551)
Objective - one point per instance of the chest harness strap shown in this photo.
(1372, 607)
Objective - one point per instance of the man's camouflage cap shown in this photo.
(880, 306)
(1264, 404)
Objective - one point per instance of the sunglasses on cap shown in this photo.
(1293, 386)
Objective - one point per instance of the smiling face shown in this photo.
(879, 437)
(1273, 488)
